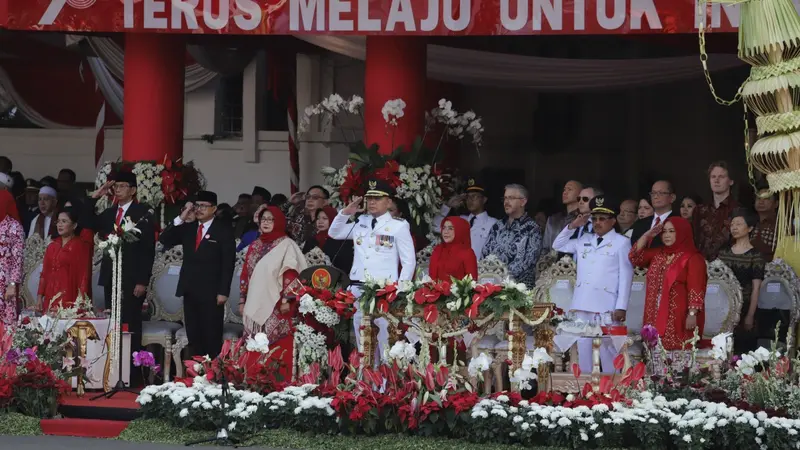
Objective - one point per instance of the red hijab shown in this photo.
(8, 206)
(322, 236)
(684, 236)
(448, 250)
(278, 227)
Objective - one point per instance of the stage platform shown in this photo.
(101, 418)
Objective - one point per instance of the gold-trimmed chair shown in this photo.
(424, 261)
(33, 259)
(780, 291)
(166, 307)
(545, 261)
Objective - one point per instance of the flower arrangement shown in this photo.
(430, 402)
(412, 172)
(247, 363)
(320, 326)
(158, 183)
(429, 299)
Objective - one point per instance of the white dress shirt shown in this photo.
(47, 221)
(478, 231)
(663, 217)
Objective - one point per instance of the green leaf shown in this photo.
(434, 417)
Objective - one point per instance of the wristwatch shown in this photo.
(692, 312)
(12, 284)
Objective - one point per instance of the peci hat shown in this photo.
(126, 177)
(473, 185)
(602, 204)
(379, 188)
(31, 184)
(207, 196)
(265, 194)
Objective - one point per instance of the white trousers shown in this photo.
(607, 350)
(380, 322)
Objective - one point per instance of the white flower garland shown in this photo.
(311, 346)
(330, 107)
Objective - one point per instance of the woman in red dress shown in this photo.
(454, 257)
(66, 270)
(272, 263)
(676, 282)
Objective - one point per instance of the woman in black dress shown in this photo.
(747, 265)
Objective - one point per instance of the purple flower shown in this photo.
(13, 356)
(143, 359)
(650, 335)
(30, 354)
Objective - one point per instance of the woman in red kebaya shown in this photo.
(454, 256)
(66, 271)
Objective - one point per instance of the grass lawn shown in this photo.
(157, 431)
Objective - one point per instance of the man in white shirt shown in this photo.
(662, 196)
(605, 274)
(480, 223)
(381, 245)
(43, 224)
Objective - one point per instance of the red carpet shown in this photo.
(83, 427)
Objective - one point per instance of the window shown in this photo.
(229, 110)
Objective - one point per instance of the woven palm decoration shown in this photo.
(769, 40)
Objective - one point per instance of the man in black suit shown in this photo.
(662, 196)
(137, 257)
(209, 257)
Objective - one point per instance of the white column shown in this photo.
(252, 87)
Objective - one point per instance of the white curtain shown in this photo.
(9, 96)
(114, 58)
(480, 68)
(111, 88)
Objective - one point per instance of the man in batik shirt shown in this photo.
(712, 223)
(517, 240)
(763, 236)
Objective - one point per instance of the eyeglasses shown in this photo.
(584, 199)
(314, 197)
(267, 219)
(206, 206)
(659, 193)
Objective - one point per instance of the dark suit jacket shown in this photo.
(642, 226)
(137, 257)
(207, 271)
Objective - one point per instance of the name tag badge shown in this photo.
(587, 244)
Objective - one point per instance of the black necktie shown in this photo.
(374, 221)
(599, 240)
(472, 221)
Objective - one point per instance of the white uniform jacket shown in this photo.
(379, 252)
(605, 273)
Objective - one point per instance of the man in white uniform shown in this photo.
(605, 274)
(480, 222)
(381, 245)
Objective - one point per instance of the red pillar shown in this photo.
(395, 68)
(154, 77)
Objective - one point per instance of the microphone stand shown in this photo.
(222, 437)
(120, 386)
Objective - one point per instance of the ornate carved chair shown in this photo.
(424, 260)
(315, 257)
(635, 315)
(545, 261)
(167, 308)
(555, 285)
(723, 307)
(232, 328)
(780, 294)
(35, 247)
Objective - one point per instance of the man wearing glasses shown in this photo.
(662, 196)
(605, 274)
(301, 212)
(137, 257)
(517, 240)
(209, 257)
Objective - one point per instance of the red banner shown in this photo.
(415, 17)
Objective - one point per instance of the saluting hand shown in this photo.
(186, 211)
(655, 231)
(258, 212)
(354, 206)
(103, 189)
(579, 221)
